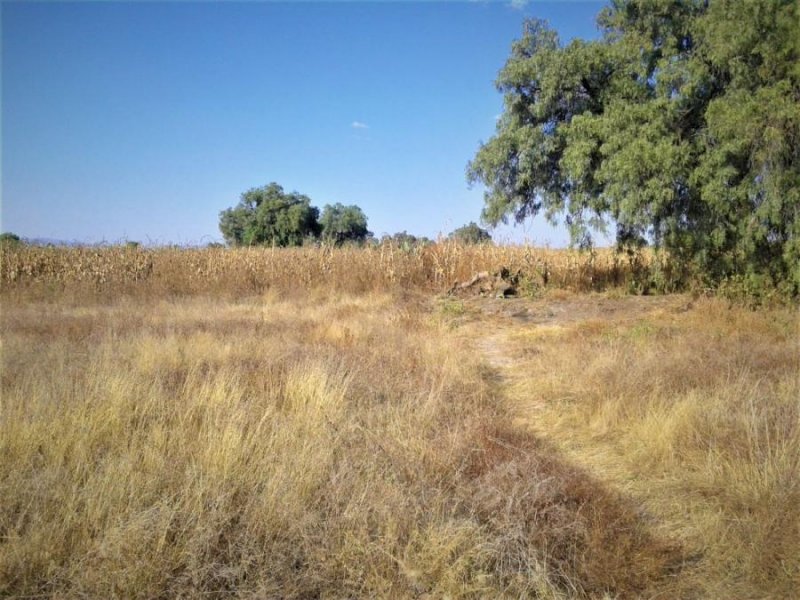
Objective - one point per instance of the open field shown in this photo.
(245, 433)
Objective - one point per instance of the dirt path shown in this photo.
(517, 339)
(491, 323)
(656, 399)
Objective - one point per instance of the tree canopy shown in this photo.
(343, 224)
(405, 240)
(268, 215)
(9, 239)
(680, 126)
(471, 234)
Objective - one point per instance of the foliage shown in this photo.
(471, 234)
(268, 216)
(405, 240)
(680, 126)
(9, 239)
(342, 224)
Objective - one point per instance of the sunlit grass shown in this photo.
(290, 424)
(315, 445)
(696, 413)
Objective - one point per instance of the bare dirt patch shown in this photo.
(488, 322)
(557, 309)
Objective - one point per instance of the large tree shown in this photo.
(343, 224)
(269, 216)
(471, 234)
(405, 240)
(680, 126)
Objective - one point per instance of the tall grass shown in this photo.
(373, 268)
(286, 446)
(696, 412)
(310, 423)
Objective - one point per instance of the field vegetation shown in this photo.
(311, 419)
(383, 267)
(299, 423)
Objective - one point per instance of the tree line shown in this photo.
(679, 128)
(270, 216)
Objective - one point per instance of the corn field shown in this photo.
(435, 267)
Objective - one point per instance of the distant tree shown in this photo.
(681, 126)
(342, 224)
(405, 240)
(471, 234)
(269, 216)
(9, 239)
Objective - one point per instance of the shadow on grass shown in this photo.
(593, 540)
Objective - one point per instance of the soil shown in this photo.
(567, 309)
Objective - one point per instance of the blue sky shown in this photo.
(144, 121)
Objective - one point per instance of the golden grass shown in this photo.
(695, 413)
(373, 268)
(312, 423)
(315, 445)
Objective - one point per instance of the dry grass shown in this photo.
(375, 268)
(288, 424)
(690, 408)
(318, 445)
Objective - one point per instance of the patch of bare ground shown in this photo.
(493, 321)
(687, 409)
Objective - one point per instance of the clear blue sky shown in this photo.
(143, 121)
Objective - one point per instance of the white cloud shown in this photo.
(359, 125)
(519, 4)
